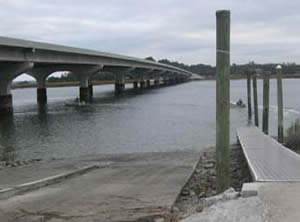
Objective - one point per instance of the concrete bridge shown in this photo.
(40, 60)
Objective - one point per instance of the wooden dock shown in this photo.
(268, 160)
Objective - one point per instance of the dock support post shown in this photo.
(279, 104)
(222, 103)
(255, 100)
(265, 124)
(249, 95)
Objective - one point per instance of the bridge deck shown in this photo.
(268, 160)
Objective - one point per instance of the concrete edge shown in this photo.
(6, 193)
(187, 181)
(250, 189)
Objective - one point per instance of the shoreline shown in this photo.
(22, 85)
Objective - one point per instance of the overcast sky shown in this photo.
(181, 30)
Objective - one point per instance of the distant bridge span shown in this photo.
(42, 59)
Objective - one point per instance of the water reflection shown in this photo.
(7, 138)
(170, 118)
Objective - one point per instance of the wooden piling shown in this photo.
(222, 100)
(249, 95)
(266, 95)
(255, 100)
(279, 104)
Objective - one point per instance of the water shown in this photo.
(172, 118)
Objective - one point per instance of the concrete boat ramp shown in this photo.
(127, 187)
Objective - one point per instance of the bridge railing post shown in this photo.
(222, 100)
(266, 102)
(279, 104)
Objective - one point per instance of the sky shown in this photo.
(263, 31)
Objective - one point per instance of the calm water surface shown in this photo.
(172, 118)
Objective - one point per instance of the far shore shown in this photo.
(20, 85)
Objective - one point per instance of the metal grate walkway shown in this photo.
(268, 160)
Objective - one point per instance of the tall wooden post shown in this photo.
(266, 95)
(222, 100)
(279, 104)
(255, 99)
(249, 95)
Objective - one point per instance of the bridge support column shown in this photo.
(156, 82)
(166, 82)
(172, 81)
(142, 84)
(148, 83)
(84, 74)
(135, 84)
(41, 90)
(84, 88)
(7, 74)
(6, 104)
(91, 89)
(120, 83)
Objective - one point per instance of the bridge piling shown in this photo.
(165, 81)
(156, 82)
(222, 100)
(84, 88)
(6, 104)
(142, 84)
(135, 84)
(7, 74)
(148, 83)
(41, 90)
(120, 83)
(91, 90)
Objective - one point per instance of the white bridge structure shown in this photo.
(40, 60)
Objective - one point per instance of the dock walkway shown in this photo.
(268, 160)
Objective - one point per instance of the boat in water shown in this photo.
(238, 104)
(76, 103)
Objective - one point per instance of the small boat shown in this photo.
(239, 104)
(76, 103)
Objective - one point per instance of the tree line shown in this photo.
(200, 69)
(235, 69)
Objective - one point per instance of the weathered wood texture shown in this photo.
(255, 100)
(280, 106)
(249, 95)
(268, 160)
(266, 103)
(223, 100)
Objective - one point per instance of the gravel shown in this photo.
(200, 191)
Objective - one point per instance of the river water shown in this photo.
(170, 118)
